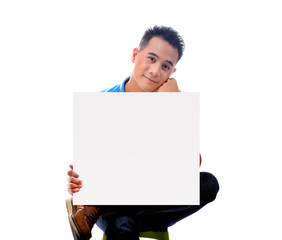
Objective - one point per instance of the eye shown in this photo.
(166, 67)
(152, 59)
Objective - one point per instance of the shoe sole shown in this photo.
(74, 228)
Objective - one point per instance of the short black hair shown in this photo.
(166, 33)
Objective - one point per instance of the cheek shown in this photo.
(165, 76)
(141, 67)
(162, 82)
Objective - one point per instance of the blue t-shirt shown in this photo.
(117, 88)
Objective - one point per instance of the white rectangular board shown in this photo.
(137, 148)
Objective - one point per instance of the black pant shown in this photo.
(127, 221)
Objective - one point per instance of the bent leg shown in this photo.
(156, 218)
(119, 226)
(160, 217)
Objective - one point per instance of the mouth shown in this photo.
(150, 80)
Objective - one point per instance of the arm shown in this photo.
(169, 85)
(74, 184)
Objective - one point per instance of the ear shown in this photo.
(135, 53)
(173, 71)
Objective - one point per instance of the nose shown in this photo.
(155, 70)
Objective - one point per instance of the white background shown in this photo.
(50, 49)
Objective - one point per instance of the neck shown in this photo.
(130, 86)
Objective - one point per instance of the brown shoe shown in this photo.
(82, 219)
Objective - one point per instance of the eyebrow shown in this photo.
(170, 62)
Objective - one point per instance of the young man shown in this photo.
(154, 62)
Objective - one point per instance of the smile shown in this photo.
(150, 80)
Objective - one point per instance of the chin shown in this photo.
(148, 89)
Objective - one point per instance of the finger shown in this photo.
(74, 190)
(72, 173)
(73, 185)
(75, 180)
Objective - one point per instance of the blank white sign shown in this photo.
(137, 148)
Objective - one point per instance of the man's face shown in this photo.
(153, 65)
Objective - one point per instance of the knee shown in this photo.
(209, 187)
(121, 227)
